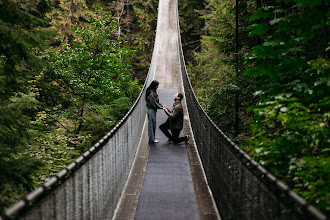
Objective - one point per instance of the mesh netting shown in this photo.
(93, 190)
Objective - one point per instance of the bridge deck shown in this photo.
(174, 186)
(167, 191)
(166, 180)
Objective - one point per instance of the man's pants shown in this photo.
(175, 133)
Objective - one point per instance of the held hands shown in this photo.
(165, 108)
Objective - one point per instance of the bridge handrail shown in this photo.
(69, 169)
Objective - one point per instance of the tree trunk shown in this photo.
(128, 23)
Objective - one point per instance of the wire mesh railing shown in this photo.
(242, 189)
(93, 182)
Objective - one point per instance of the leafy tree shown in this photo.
(291, 129)
(283, 83)
(221, 90)
(144, 26)
(191, 26)
(57, 107)
(92, 71)
(63, 17)
(21, 31)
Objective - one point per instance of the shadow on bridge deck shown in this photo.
(174, 185)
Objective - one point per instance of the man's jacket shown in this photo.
(176, 116)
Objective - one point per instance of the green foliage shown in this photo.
(16, 169)
(307, 176)
(119, 107)
(218, 87)
(93, 70)
(284, 123)
(53, 109)
(19, 33)
(56, 149)
(63, 16)
(144, 26)
(21, 30)
(61, 111)
(291, 128)
(191, 26)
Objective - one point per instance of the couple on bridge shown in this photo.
(174, 121)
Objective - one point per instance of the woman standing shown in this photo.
(152, 106)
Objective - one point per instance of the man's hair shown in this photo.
(180, 96)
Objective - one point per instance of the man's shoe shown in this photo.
(156, 141)
(188, 137)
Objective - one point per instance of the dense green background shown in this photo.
(65, 66)
(280, 91)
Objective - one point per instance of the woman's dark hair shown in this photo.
(152, 86)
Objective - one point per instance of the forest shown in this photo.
(70, 69)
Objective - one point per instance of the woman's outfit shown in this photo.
(152, 106)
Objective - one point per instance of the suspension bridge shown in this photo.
(122, 177)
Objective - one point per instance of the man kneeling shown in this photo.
(174, 121)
